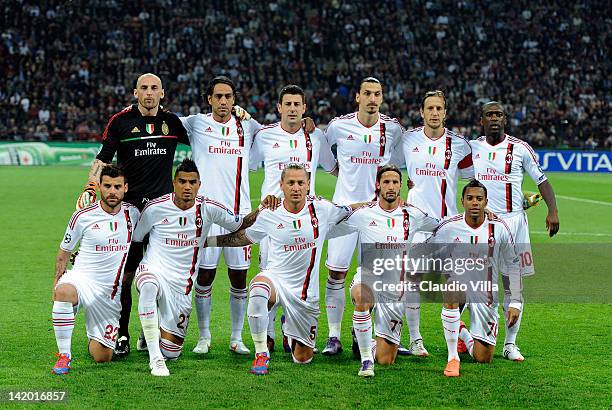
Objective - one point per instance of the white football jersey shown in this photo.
(176, 235)
(276, 147)
(491, 241)
(434, 167)
(501, 167)
(296, 243)
(384, 234)
(104, 241)
(361, 151)
(221, 153)
(379, 226)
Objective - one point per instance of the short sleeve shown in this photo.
(466, 166)
(74, 232)
(326, 157)
(532, 166)
(258, 230)
(188, 126)
(330, 134)
(144, 225)
(256, 153)
(222, 216)
(342, 228)
(421, 221)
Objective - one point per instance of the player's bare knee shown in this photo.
(65, 293)
(303, 356)
(362, 298)
(100, 353)
(237, 278)
(206, 277)
(385, 359)
(337, 275)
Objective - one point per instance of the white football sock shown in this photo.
(147, 312)
(450, 324)
(63, 325)
(362, 325)
(170, 350)
(511, 332)
(257, 310)
(203, 301)
(238, 302)
(335, 301)
(413, 318)
(467, 338)
(271, 320)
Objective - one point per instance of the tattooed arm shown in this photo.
(234, 239)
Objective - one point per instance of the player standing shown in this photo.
(104, 231)
(473, 235)
(435, 158)
(365, 140)
(296, 231)
(383, 224)
(177, 224)
(500, 162)
(221, 144)
(144, 136)
(284, 142)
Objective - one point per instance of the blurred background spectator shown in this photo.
(68, 66)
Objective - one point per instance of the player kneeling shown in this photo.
(473, 236)
(296, 232)
(177, 224)
(104, 230)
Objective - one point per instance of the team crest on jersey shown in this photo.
(405, 224)
(308, 144)
(367, 139)
(415, 149)
(473, 239)
(491, 241)
(432, 150)
(182, 220)
(315, 222)
(225, 131)
(198, 222)
(135, 130)
(280, 226)
(391, 222)
(491, 156)
(165, 128)
(297, 224)
(150, 128)
(96, 226)
(383, 139)
(373, 223)
(509, 158)
(448, 154)
(293, 144)
(113, 226)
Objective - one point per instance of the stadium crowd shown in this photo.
(68, 66)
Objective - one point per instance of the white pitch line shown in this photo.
(573, 233)
(590, 201)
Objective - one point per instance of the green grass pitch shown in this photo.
(566, 345)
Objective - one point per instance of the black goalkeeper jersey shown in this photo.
(145, 147)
